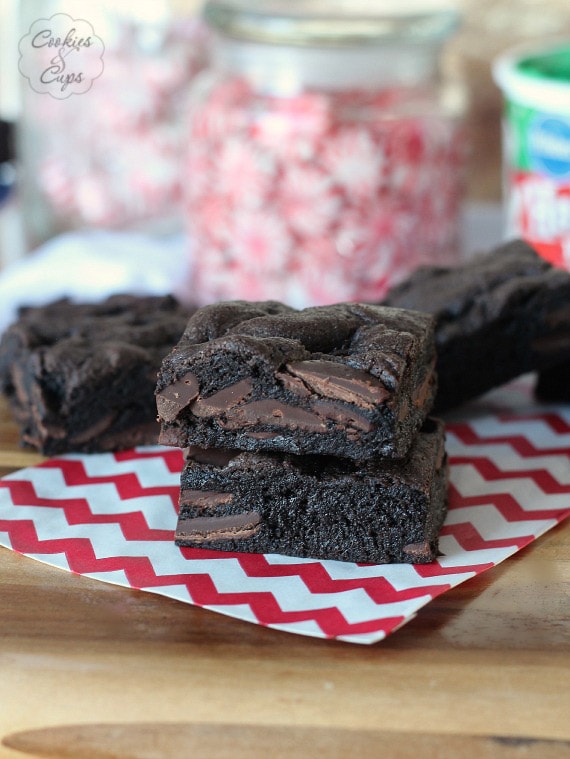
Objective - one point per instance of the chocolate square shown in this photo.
(81, 377)
(349, 380)
(499, 315)
(317, 506)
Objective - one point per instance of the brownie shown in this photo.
(81, 377)
(317, 506)
(553, 385)
(348, 380)
(499, 315)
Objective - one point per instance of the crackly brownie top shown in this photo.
(482, 289)
(71, 337)
(141, 319)
(365, 338)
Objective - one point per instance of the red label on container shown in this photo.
(539, 211)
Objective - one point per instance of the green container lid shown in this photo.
(552, 66)
(537, 78)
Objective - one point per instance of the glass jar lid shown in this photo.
(332, 23)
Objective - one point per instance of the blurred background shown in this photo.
(121, 157)
(106, 158)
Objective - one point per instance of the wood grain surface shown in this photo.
(92, 671)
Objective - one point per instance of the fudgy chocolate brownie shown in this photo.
(499, 315)
(317, 506)
(554, 384)
(348, 380)
(81, 377)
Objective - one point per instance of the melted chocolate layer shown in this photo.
(204, 500)
(231, 527)
(340, 382)
(176, 397)
(223, 400)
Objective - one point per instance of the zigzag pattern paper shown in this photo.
(112, 517)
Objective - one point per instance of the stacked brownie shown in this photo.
(306, 432)
(81, 377)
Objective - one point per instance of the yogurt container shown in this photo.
(536, 147)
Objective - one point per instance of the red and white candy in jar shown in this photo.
(105, 154)
(325, 155)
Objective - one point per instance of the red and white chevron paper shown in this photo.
(112, 517)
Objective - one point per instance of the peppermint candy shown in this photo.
(111, 157)
(319, 197)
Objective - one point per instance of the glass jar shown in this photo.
(106, 155)
(325, 151)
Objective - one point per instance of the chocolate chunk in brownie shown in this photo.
(347, 380)
(81, 377)
(317, 506)
(498, 315)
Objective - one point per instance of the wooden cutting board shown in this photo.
(92, 671)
